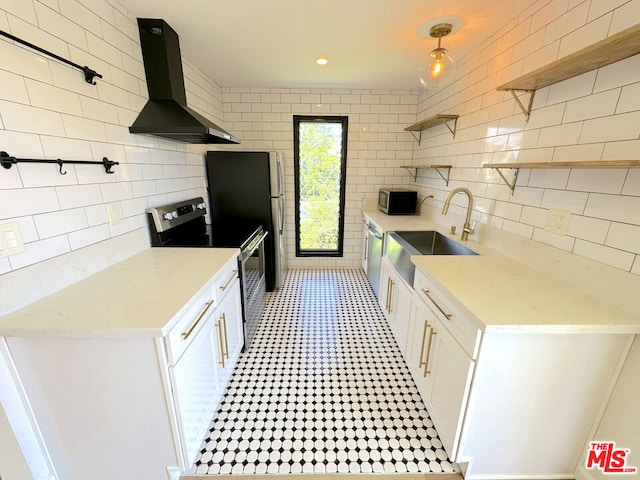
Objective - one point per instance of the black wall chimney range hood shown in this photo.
(166, 113)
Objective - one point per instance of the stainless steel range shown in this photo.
(183, 224)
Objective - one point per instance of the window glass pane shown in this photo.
(320, 167)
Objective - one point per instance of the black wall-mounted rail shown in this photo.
(7, 161)
(89, 74)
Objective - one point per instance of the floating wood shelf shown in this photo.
(437, 168)
(431, 122)
(595, 164)
(609, 50)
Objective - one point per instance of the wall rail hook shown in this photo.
(60, 163)
(7, 161)
(89, 74)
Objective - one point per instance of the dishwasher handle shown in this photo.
(374, 231)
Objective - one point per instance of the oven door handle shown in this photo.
(253, 247)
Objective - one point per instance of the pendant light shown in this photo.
(441, 66)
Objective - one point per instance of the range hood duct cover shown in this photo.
(166, 113)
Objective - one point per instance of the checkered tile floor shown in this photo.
(322, 389)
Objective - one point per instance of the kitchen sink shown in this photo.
(430, 242)
(401, 245)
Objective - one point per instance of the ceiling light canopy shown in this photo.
(440, 66)
(322, 60)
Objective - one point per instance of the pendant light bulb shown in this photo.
(441, 65)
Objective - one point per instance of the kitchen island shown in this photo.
(515, 366)
(121, 372)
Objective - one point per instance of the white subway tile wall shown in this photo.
(377, 144)
(47, 110)
(594, 116)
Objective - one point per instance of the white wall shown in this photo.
(47, 110)
(620, 421)
(377, 144)
(594, 116)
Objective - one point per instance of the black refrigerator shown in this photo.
(250, 186)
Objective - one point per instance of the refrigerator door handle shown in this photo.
(280, 177)
(281, 212)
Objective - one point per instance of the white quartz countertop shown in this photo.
(139, 296)
(507, 296)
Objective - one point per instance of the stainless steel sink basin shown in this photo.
(401, 245)
(431, 243)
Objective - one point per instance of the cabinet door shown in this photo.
(442, 372)
(451, 370)
(195, 387)
(386, 273)
(365, 247)
(229, 334)
(418, 345)
(400, 309)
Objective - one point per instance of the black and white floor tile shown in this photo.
(322, 389)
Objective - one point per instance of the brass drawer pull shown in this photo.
(188, 331)
(226, 338)
(388, 293)
(220, 339)
(391, 284)
(448, 315)
(426, 361)
(424, 336)
(233, 275)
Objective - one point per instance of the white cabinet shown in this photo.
(365, 246)
(395, 300)
(511, 405)
(442, 371)
(209, 338)
(229, 334)
(134, 403)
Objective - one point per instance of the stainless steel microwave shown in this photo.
(397, 201)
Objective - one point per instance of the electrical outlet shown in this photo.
(10, 239)
(557, 221)
(113, 212)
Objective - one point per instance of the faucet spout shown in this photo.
(466, 230)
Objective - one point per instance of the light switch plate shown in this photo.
(113, 212)
(557, 221)
(10, 239)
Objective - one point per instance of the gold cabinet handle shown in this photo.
(233, 275)
(388, 292)
(391, 284)
(226, 338)
(424, 336)
(426, 360)
(219, 327)
(188, 331)
(448, 315)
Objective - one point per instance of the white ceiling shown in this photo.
(369, 43)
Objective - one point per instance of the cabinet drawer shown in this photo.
(456, 319)
(223, 281)
(186, 329)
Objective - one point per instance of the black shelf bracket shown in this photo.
(7, 161)
(89, 74)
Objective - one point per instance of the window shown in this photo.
(320, 156)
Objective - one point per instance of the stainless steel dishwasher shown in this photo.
(373, 254)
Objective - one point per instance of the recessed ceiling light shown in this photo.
(322, 60)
